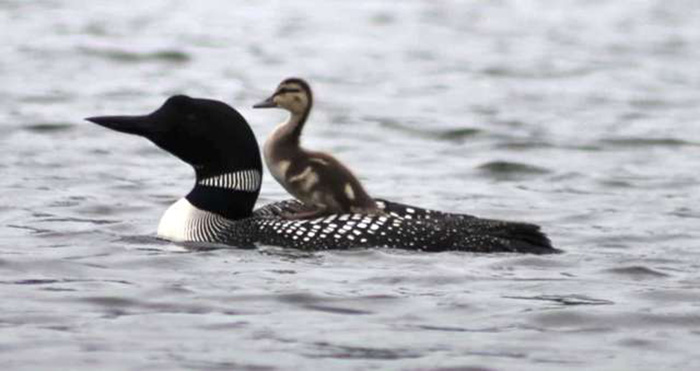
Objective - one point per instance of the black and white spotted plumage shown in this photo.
(403, 227)
(218, 143)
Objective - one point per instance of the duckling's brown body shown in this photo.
(315, 178)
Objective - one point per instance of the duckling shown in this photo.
(319, 180)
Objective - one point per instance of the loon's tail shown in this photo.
(465, 232)
(503, 236)
(525, 237)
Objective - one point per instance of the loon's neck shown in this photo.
(217, 198)
(228, 193)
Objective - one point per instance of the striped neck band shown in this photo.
(243, 180)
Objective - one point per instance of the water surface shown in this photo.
(581, 116)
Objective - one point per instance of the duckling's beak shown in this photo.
(267, 103)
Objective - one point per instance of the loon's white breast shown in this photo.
(184, 222)
(174, 224)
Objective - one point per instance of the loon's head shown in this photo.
(212, 137)
(207, 134)
(292, 94)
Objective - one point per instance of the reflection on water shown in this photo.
(580, 116)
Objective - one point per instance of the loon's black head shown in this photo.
(212, 137)
(207, 134)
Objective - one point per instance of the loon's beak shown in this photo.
(267, 103)
(139, 125)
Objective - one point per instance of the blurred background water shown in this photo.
(578, 115)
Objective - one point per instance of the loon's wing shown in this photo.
(404, 227)
(478, 233)
(277, 209)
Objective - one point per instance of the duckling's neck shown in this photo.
(283, 145)
(289, 132)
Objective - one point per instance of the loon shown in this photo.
(315, 178)
(219, 144)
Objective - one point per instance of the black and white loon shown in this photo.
(315, 178)
(218, 143)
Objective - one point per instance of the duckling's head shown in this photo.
(292, 94)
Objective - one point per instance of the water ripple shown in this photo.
(128, 56)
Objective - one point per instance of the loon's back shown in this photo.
(403, 227)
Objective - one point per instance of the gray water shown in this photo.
(581, 116)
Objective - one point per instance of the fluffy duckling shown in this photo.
(317, 179)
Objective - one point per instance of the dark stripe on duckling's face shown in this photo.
(286, 90)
